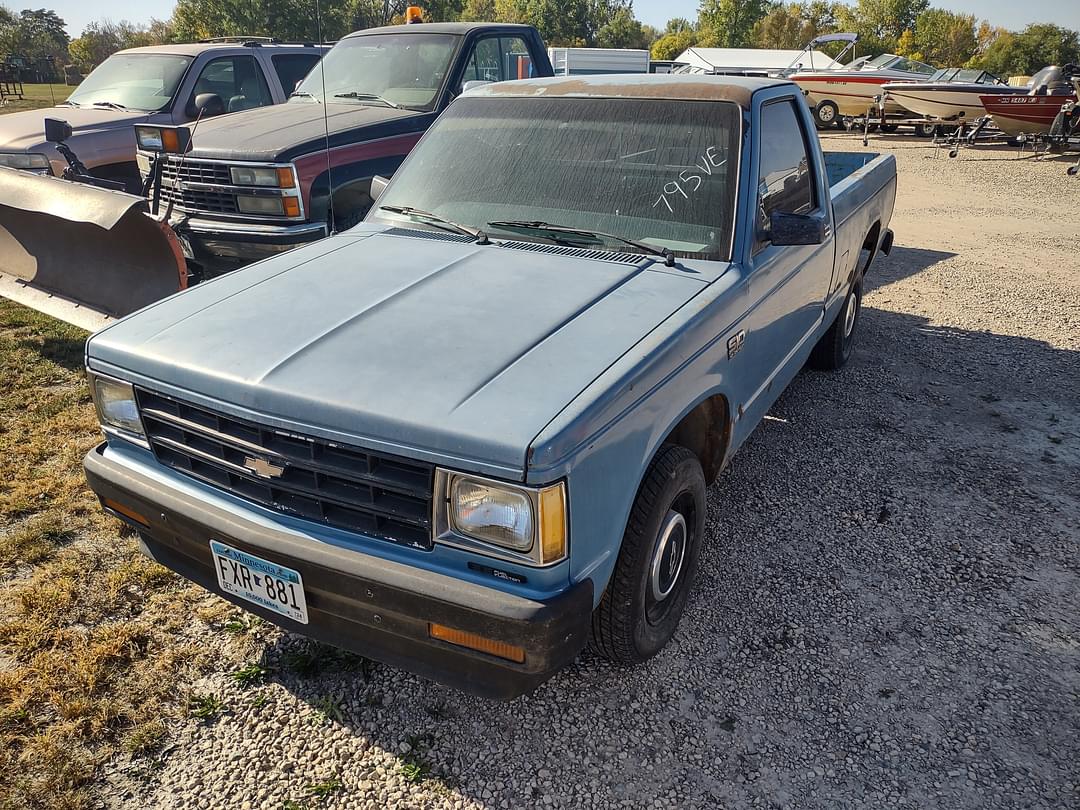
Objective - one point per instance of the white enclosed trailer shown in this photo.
(585, 61)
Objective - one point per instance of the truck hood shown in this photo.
(24, 131)
(411, 344)
(284, 131)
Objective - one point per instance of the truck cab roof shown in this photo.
(458, 28)
(737, 89)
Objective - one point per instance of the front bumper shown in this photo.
(221, 246)
(377, 608)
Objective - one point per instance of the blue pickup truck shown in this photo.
(473, 434)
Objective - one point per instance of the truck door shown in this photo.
(787, 284)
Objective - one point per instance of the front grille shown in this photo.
(346, 487)
(194, 171)
(213, 202)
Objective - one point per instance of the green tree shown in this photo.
(941, 38)
(482, 10)
(671, 45)
(1030, 50)
(730, 23)
(677, 25)
(622, 30)
(100, 39)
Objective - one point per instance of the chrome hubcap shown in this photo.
(668, 556)
(826, 113)
(850, 311)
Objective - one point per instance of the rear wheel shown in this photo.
(925, 130)
(826, 114)
(835, 347)
(645, 598)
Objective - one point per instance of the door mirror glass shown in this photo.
(209, 104)
(795, 229)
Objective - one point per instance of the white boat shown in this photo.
(852, 90)
(950, 94)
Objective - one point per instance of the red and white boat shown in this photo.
(1033, 112)
(852, 89)
(950, 94)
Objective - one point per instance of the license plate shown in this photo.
(267, 584)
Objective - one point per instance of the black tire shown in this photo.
(347, 219)
(889, 128)
(630, 624)
(826, 114)
(835, 347)
(925, 130)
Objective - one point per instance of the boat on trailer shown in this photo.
(1033, 112)
(950, 94)
(853, 89)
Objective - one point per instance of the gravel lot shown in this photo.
(888, 612)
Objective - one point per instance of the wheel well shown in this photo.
(705, 431)
(352, 201)
(870, 244)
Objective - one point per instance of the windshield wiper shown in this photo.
(112, 105)
(367, 97)
(302, 94)
(513, 224)
(69, 103)
(438, 222)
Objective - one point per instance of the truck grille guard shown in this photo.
(345, 487)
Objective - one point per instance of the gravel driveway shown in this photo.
(888, 611)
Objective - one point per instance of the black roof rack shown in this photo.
(253, 41)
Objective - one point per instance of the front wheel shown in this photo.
(834, 348)
(645, 598)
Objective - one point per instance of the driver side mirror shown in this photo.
(796, 229)
(378, 186)
(208, 104)
(57, 130)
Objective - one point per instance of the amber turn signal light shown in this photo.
(499, 649)
(126, 511)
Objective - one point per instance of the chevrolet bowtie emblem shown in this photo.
(264, 468)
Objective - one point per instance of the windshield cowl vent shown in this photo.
(535, 247)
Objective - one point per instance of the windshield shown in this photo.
(660, 172)
(402, 70)
(137, 81)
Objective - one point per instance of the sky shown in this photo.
(1011, 14)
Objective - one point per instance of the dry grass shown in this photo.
(94, 639)
(36, 96)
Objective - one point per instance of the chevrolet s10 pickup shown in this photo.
(473, 434)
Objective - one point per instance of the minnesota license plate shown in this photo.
(254, 579)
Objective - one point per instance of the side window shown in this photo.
(292, 67)
(785, 179)
(483, 65)
(517, 63)
(238, 80)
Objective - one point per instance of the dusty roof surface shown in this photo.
(737, 89)
(435, 28)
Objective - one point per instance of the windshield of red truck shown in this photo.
(390, 70)
(655, 171)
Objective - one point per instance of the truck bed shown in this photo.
(855, 178)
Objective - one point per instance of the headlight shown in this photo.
(260, 205)
(175, 140)
(33, 161)
(529, 522)
(115, 403)
(500, 516)
(279, 177)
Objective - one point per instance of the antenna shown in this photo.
(326, 124)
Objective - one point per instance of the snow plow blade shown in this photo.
(83, 254)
